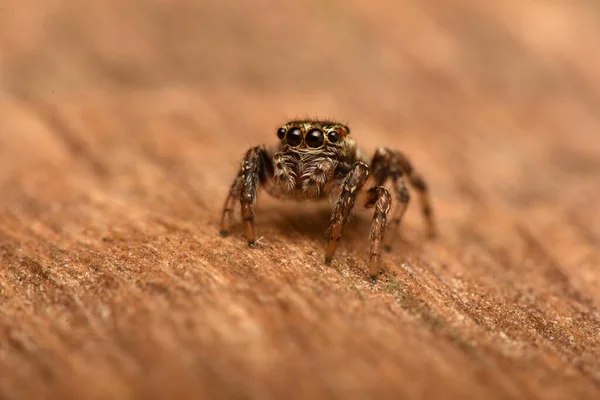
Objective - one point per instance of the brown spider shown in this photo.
(316, 160)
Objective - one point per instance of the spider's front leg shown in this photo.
(351, 186)
(256, 168)
(381, 199)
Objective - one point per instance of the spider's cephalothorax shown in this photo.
(318, 159)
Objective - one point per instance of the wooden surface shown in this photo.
(121, 127)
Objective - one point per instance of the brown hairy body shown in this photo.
(318, 159)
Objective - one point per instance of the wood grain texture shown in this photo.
(121, 127)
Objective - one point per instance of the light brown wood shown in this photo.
(121, 127)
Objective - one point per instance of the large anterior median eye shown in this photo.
(314, 138)
(294, 137)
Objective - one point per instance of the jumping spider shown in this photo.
(316, 160)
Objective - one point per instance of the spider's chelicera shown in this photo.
(319, 159)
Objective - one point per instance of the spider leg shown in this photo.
(388, 164)
(234, 196)
(351, 186)
(256, 168)
(403, 198)
(381, 199)
(384, 167)
(418, 183)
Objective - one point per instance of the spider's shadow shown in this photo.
(308, 223)
(311, 221)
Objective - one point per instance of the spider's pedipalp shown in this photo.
(283, 175)
(317, 176)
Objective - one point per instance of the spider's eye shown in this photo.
(280, 133)
(294, 137)
(314, 138)
(333, 136)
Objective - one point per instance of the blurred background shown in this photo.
(500, 88)
(122, 123)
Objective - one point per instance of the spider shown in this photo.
(317, 159)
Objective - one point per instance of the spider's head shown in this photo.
(313, 136)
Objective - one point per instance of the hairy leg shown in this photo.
(255, 168)
(351, 186)
(388, 164)
(381, 199)
(385, 167)
(403, 198)
(417, 182)
(233, 198)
